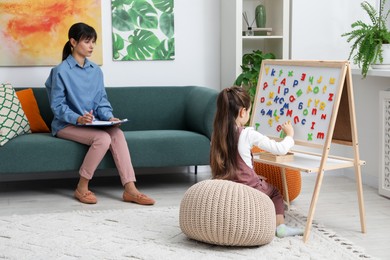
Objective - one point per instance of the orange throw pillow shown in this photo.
(31, 109)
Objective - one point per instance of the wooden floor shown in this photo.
(337, 207)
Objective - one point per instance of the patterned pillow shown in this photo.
(13, 121)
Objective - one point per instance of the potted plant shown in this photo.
(368, 39)
(251, 63)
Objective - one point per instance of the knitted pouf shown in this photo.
(227, 213)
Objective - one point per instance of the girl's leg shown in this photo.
(281, 229)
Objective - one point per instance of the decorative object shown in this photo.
(13, 121)
(368, 39)
(249, 31)
(260, 16)
(33, 33)
(251, 63)
(143, 30)
(224, 212)
(149, 233)
(31, 109)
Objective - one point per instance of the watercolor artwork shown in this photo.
(33, 33)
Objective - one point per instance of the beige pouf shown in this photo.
(227, 213)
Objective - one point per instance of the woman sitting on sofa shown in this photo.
(77, 96)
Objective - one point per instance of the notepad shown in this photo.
(106, 123)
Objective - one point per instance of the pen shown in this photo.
(86, 112)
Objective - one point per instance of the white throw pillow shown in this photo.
(13, 121)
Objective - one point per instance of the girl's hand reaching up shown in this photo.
(288, 129)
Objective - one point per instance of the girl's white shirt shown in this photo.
(250, 137)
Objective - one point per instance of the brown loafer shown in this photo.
(88, 197)
(141, 199)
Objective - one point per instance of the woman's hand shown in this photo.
(87, 118)
(288, 129)
(114, 119)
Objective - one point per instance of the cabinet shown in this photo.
(234, 44)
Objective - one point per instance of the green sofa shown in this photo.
(168, 127)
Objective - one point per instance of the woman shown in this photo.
(77, 96)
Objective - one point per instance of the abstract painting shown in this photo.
(33, 33)
(143, 30)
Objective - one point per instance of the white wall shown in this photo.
(316, 29)
(197, 53)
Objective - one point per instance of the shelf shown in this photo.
(372, 72)
(261, 37)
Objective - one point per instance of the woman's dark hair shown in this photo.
(224, 140)
(78, 31)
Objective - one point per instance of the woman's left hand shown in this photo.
(114, 119)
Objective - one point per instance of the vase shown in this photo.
(386, 58)
(260, 16)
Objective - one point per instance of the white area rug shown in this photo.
(148, 233)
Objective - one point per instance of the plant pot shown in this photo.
(386, 58)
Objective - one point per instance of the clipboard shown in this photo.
(106, 123)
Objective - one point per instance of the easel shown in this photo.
(336, 132)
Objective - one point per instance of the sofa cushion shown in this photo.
(13, 121)
(30, 108)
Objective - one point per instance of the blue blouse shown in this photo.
(73, 89)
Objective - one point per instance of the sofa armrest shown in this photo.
(200, 110)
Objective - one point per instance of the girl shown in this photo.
(231, 145)
(74, 87)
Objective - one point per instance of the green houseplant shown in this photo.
(367, 39)
(251, 63)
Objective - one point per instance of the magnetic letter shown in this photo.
(289, 112)
(283, 82)
(330, 97)
(295, 83)
(296, 119)
(299, 92)
(309, 137)
(312, 125)
(322, 106)
(265, 85)
(292, 98)
(323, 116)
(320, 135)
(303, 76)
(311, 79)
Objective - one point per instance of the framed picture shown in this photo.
(33, 33)
(143, 30)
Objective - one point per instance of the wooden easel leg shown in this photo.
(313, 204)
(285, 188)
(360, 198)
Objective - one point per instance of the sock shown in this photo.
(285, 231)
